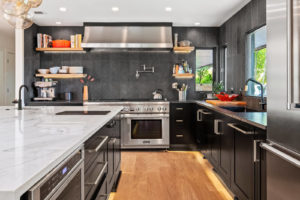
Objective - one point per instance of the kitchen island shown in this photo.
(35, 140)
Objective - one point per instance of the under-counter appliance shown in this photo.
(66, 181)
(144, 124)
(283, 70)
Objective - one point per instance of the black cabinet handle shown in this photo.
(179, 136)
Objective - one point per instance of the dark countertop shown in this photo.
(257, 119)
(55, 103)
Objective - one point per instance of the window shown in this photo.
(256, 61)
(204, 69)
(223, 69)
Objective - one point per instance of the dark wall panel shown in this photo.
(233, 35)
(115, 72)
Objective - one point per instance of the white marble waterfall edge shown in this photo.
(35, 140)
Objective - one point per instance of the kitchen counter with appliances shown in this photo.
(34, 141)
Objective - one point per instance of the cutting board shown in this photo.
(227, 103)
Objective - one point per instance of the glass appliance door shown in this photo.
(146, 129)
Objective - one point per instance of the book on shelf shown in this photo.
(43, 40)
(76, 41)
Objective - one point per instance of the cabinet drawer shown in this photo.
(103, 194)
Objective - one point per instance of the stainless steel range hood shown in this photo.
(137, 36)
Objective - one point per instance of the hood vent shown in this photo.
(128, 36)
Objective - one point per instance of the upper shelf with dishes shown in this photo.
(47, 45)
(182, 47)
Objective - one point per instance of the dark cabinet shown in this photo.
(181, 126)
(232, 147)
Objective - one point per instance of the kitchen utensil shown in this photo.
(54, 70)
(184, 43)
(61, 44)
(44, 71)
(157, 94)
(76, 70)
(182, 95)
(175, 39)
(68, 96)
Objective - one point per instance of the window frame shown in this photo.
(214, 50)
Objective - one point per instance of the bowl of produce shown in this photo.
(226, 97)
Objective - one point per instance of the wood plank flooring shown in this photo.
(168, 176)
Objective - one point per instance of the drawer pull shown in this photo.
(179, 108)
(179, 121)
(234, 126)
(216, 127)
(100, 145)
(179, 136)
(96, 182)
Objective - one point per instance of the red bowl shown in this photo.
(226, 97)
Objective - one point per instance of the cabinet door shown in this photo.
(215, 141)
(110, 160)
(244, 167)
(117, 155)
(226, 150)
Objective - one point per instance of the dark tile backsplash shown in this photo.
(115, 72)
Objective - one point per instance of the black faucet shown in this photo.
(262, 103)
(19, 102)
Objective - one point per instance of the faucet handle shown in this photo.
(15, 101)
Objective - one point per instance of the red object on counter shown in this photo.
(61, 44)
(226, 97)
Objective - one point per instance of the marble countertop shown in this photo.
(35, 140)
(257, 119)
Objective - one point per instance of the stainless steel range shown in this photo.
(144, 124)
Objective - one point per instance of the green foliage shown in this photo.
(218, 87)
(260, 67)
(204, 75)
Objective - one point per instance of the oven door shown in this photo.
(145, 131)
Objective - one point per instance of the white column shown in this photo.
(19, 45)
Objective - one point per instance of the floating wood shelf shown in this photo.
(184, 76)
(61, 76)
(183, 50)
(61, 50)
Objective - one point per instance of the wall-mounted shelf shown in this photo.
(184, 76)
(61, 50)
(61, 76)
(183, 50)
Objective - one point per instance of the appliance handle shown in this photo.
(96, 182)
(289, 55)
(232, 125)
(199, 117)
(281, 154)
(100, 145)
(146, 116)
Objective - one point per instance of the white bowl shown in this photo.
(76, 70)
(62, 71)
(44, 71)
(54, 70)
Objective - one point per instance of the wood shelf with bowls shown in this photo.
(183, 50)
(61, 50)
(61, 76)
(184, 76)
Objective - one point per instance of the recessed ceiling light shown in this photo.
(63, 9)
(197, 23)
(115, 9)
(168, 9)
(58, 23)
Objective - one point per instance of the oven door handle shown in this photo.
(146, 116)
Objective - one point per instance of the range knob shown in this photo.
(137, 109)
(151, 109)
(159, 108)
(165, 109)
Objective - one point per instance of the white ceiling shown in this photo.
(5, 28)
(184, 12)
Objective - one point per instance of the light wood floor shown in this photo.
(168, 176)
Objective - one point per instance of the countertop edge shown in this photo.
(19, 191)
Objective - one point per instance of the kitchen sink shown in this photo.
(83, 113)
(239, 109)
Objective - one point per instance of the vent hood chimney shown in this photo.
(137, 36)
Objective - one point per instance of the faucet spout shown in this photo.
(262, 102)
(19, 102)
